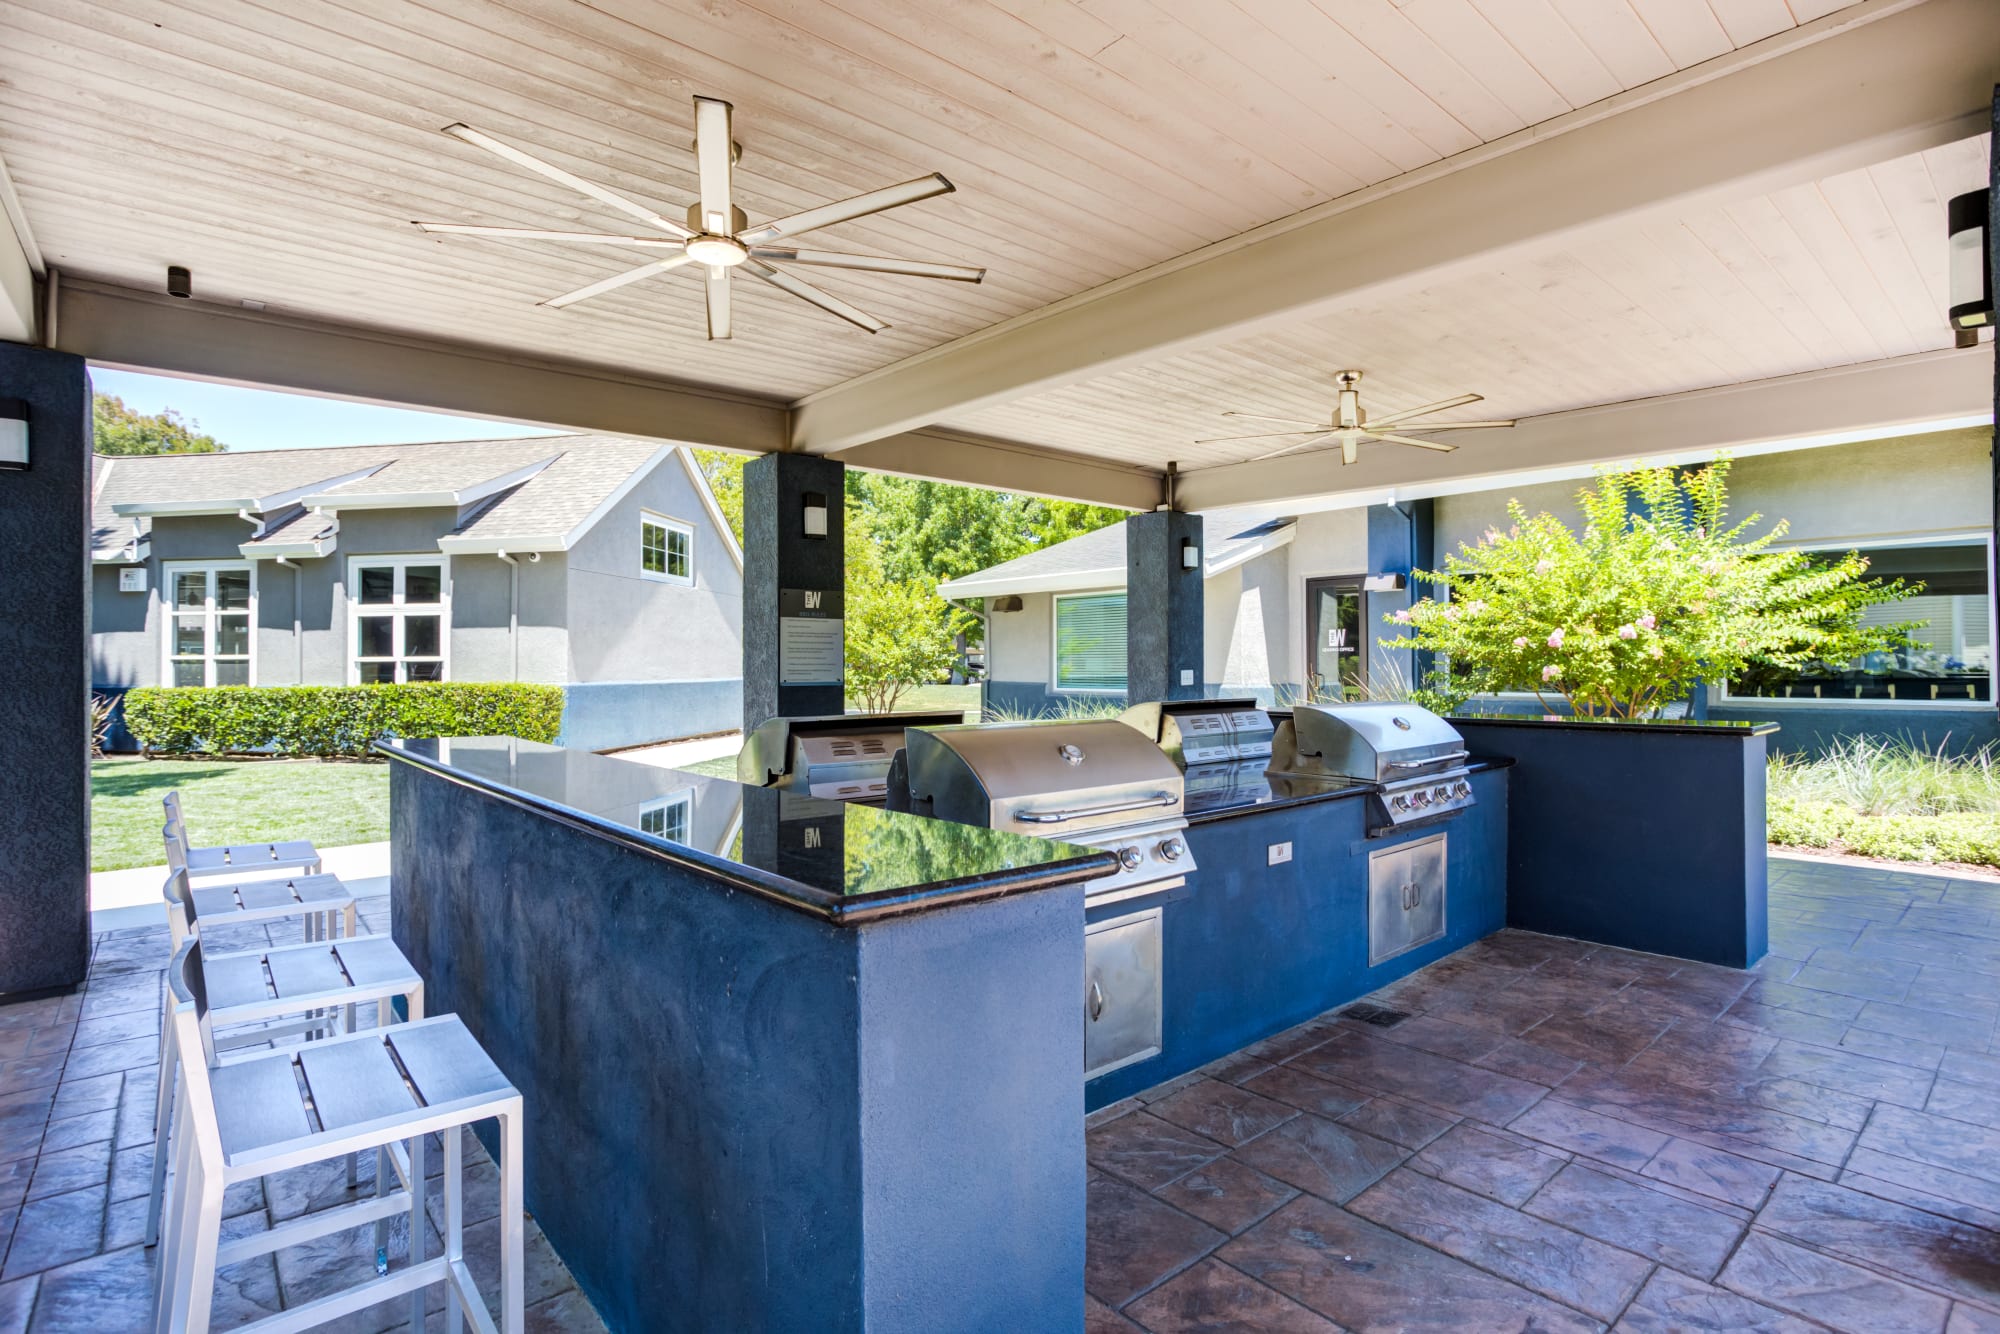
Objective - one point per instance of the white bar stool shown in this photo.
(269, 994)
(241, 858)
(251, 1117)
(322, 901)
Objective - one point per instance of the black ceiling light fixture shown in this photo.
(1971, 275)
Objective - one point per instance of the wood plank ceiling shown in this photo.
(1846, 270)
(281, 152)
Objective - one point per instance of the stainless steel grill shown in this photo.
(845, 757)
(1205, 731)
(1417, 758)
(1098, 783)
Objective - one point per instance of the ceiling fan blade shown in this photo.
(1438, 406)
(1455, 426)
(538, 234)
(617, 280)
(1292, 449)
(846, 210)
(1410, 440)
(834, 259)
(1350, 451)
(717, 287)
(561, 177)
(713, 148)
(805, 291)
(1264, 435)
(1288, 421)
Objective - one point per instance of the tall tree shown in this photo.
(118, 429)
(724, 472)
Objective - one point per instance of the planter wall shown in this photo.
(1648, 836)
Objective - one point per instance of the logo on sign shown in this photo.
(813, 599)
(812, 836)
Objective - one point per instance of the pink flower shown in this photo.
(1711, 567)
(1628, 631)
(1544, 566)
(1701, 532)
(1551, 672)
(1474, 607)
(1401, 616)
(1556, 639)
(1647, 622)
(1520, 641)
(1491, 535)
(1451, 613)
(1656, 651)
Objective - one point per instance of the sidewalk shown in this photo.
(120, 899)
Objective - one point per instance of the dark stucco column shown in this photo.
(45, 705)
(1163, 606)
(793, 660)
(1401, 540)
(1993, 285)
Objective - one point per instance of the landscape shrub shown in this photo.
(335, 720)
(1888, 798)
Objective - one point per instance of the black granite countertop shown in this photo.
(1717, 727)
(844, 862)
(1218, 791)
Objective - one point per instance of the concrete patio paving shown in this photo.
(1556, 1137)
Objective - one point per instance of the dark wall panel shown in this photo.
(45, 654)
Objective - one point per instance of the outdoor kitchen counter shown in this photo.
(859, 862)
(786, 1063)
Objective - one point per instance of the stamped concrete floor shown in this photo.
(1561, 1137)
(77, 1081)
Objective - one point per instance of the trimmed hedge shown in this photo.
(335, 720)
(1972, 837)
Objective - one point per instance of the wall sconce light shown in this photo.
(815, 514)
(180, 282)
(1190, 554)
(1011, 602)
(1971, 277)
(13, 433)
(1382, 583)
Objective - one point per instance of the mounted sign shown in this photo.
(132, 579)
(812, 640)
(13, 433)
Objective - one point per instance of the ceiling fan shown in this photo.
(1351, 425)
(717, 236)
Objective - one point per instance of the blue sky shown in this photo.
(265, 419)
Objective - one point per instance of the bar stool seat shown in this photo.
(240, 858)
(272, 900)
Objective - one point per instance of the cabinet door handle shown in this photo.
(1096, 1001)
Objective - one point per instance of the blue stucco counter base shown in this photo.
(744, 1110)
(1253, 949)
(1648, 836)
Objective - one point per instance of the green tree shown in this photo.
(118, 429)
(898, 630)
(724, 473)
(1652, 597)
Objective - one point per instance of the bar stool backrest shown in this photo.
(172, 801)
(176, 840)
(181, 913)
(193, 1034)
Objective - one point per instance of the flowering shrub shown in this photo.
(1652, 597)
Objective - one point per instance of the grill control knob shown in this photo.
(1131, 858)
(1172, 849)
(1462, 789)
(1420, 799)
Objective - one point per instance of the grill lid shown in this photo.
(848, 754)
(1205, 731)
(1050, 777)
(1386, 742)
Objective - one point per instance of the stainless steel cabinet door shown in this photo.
(1406, 887)
(1121, 992)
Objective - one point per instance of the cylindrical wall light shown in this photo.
(815, 514)
(1190, 554)
(1971, 275)
(13, 433)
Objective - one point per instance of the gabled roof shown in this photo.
(535, 494)
(1097, 559)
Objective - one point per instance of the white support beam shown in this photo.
(1866, 84)
(1002, 465)
(20, 265)
(142, 331)
(1878, 399)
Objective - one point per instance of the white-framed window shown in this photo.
(669, 817)
(666, 549)
(1090, 642)
(211, 623)
(1950, 660)
(398, 618)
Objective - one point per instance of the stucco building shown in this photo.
(597, 563)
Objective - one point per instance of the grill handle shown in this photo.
(1086, 812)
(1432, 759)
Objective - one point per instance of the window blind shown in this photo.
(1090, 641)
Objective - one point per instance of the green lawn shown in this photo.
(333, 803)
(920, 699)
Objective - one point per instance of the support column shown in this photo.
(793, 647)
(45, 705)
(1993, 285)
(1164, 650)
(1401, 540)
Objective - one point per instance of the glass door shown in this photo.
(1336, 640)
